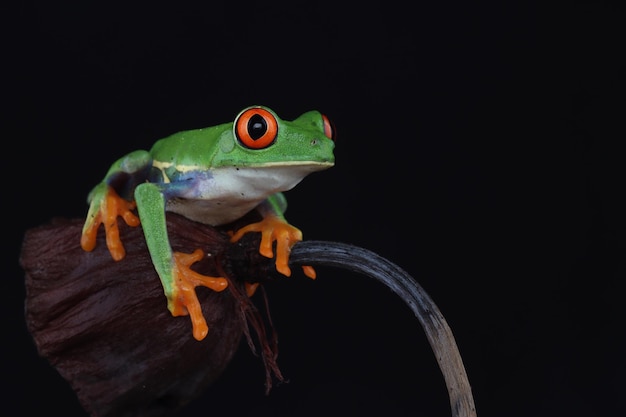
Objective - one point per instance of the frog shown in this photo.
(214, 176)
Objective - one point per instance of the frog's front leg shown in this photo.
(178, 279)
(274, 228)
(106, 205)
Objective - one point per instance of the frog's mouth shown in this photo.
(307, 165)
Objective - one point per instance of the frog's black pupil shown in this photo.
(257, 126)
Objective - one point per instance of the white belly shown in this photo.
(230, 193)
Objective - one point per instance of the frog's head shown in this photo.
(260, 139)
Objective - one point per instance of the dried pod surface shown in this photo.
(105, 326)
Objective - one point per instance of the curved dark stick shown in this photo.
(402, 284)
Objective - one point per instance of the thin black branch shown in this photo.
(437, 331)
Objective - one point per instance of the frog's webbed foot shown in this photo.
(184, 300)
(274, 228)
(105, 211)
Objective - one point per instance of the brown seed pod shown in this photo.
(105, 327)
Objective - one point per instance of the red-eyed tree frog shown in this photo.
(214, 175)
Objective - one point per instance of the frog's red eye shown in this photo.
(256, 128)
(329, 129)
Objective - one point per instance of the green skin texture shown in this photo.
(191, 173)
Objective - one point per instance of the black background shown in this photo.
(478, 149)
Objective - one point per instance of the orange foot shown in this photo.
(110, 207)
(184, 300)
(274, 228)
